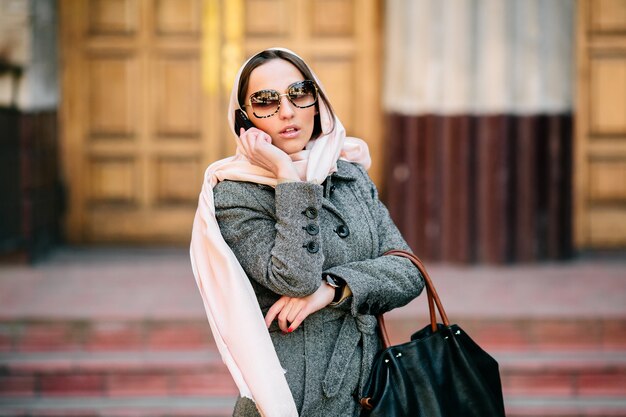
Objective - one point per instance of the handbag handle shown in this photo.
(431, 294)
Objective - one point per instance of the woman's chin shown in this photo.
(292, 146)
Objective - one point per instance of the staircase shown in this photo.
(164, 368)
(135, 341)
(78, 368)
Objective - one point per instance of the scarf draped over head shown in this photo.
(232, 309)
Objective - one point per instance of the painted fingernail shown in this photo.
(290, 330)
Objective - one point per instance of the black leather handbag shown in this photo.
(441, 372)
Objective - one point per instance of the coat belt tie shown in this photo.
(353, 330)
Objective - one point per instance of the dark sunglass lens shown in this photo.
(303, 94)
(264, 103)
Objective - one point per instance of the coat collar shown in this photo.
(345, 171)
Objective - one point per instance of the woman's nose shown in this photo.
(287, 109)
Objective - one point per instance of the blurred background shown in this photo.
(497, 130)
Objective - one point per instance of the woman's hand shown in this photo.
(260, 151)
(291, 311)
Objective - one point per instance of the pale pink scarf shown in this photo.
(233, 311)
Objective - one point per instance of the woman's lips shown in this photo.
(290, 132)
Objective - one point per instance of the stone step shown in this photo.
(104, 335)
(493, 334)
(162, 406)
(177, 373)
(545, 406)
(201, 372)
(524, 334)
(563, 373)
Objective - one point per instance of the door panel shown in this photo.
(176, 90)
(172, 184)
(113, 181)
(145, 89)
(112, 100)
(607, 227)
(332, 18)
(608, 15)
(607, 88)
(112, 17)
(607, 180)
(277, 11)
(178, 17)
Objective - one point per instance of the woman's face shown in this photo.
(291, 127)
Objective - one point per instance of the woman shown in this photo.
(289, 237)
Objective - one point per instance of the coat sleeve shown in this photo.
(383, 283)
(274, 249)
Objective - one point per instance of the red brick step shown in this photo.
(118, 407)
(192, 372)
(104, 335)
(523, 334)
(564, 374)
(491, 334)
(112, 374)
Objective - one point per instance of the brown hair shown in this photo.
(268, 55)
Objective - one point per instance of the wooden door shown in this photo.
(600, 144)
(145, 90)
(134, 130)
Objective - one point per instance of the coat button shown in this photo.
(312, 229)
(342, 230)
(312, 247)
(310, 212)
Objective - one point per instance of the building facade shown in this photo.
(497, 128)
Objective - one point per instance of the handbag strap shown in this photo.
(431, 294)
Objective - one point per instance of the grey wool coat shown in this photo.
(286, 239)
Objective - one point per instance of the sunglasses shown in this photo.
(265, 103)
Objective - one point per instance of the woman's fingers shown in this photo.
(258, 148)
(298, 319)
(265, 137)
(284, 314)
(296, 307)
(285, 311)
(274, 310)
(248, 137)
(254, 143)
(291, 311)
(245, 144)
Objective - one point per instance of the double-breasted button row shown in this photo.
(342, 231)
(312, 229)
(310, 212)
(312, 246)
